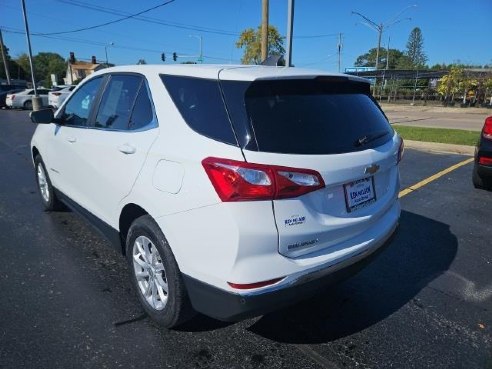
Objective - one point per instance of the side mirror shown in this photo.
(44, 116)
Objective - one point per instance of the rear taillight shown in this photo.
(485, 161)
(13, 97)
(401, 150)
(487, 128)
(241, 181)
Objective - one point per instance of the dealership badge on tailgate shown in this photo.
(294, 220)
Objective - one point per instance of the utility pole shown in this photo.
(290, 31)
(264, 30)
(4, 58)
(339, 51)
(36, 100)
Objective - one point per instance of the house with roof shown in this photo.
(78, 70)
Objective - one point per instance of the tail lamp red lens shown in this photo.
(485, 161)
(241, 181)
(487, 128)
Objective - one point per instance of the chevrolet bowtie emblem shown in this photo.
(372, 169)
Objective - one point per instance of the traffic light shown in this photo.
(175, 56)
(163, 57)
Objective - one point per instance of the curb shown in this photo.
(440, 147)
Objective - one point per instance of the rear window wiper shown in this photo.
(369, 138)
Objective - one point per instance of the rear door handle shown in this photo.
(127, 149)
(71, 139)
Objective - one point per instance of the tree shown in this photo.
(14, 69)
(23, 61)
(415, 48)
(369, 59)
(46, 64)
(250, 41)
(450, 83)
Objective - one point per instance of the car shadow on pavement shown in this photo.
(421, 251)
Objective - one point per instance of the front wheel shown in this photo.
(48, 196)
(155, 274)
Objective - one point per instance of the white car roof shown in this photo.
(227, 72)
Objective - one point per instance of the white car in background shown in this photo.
(232, 190)
(23, 99)
(58, 96)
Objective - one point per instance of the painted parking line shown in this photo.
(428, 180)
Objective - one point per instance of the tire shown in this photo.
(45, 188)
(155, 274)
(28, 105)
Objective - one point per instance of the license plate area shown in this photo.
(359, 194)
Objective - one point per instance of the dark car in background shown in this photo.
(482, 171)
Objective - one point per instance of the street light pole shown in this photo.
(380, 27)
(290, 31)
(36, 100)
(200, 57)
(106, 52)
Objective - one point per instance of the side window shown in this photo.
(79, 106)
(200, 103)
(142, 113)
(118, 101)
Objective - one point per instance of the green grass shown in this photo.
(441, 135)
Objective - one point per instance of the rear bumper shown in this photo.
(228, 306)
(484, 171)
(484, 149)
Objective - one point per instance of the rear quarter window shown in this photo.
(200, 103)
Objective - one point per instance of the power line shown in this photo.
(107, 23)
(96, 43)
(112, 11)
(189, 27)
(318, 36)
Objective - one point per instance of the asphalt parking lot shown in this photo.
(425, 302)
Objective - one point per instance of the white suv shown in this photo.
(232, 190)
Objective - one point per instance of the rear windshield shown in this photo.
(319, 116)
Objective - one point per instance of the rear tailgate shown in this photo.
(360, 188)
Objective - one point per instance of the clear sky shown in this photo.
(453, 30)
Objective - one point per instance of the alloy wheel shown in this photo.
(43, 184)
(150, 273)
